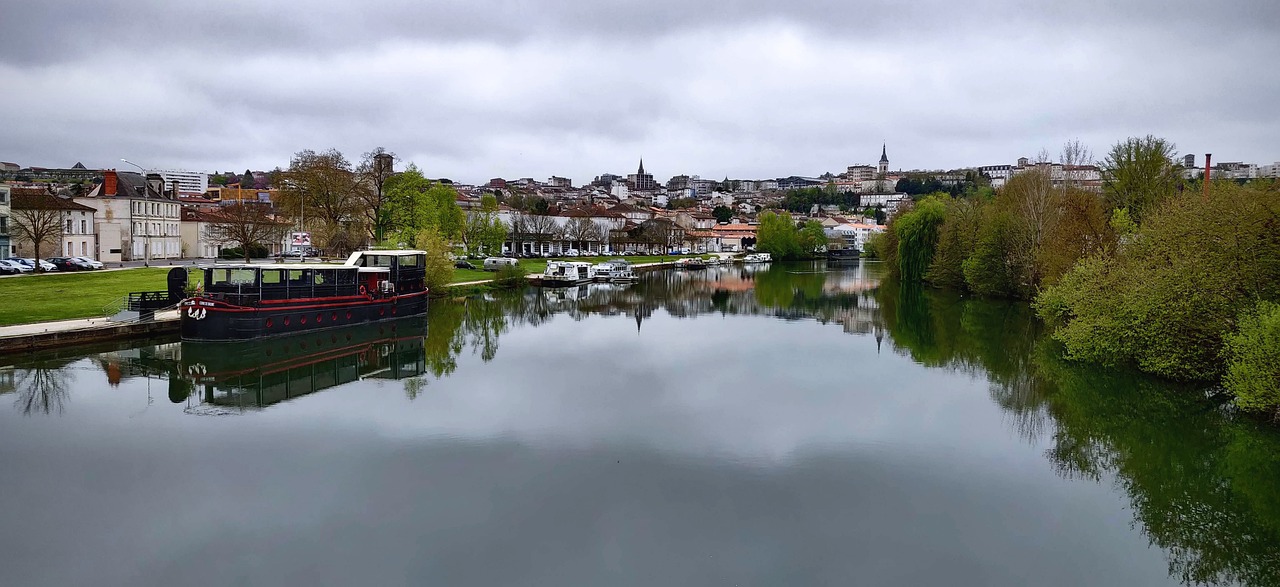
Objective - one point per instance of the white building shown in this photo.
(856, 235)
(189, 182)
(136, 218)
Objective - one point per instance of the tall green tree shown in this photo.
(778, 236)
(812, 237)
(917, 232)
(1139, 173)
(723, 214)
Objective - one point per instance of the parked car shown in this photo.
(90, 263)
(571, 253)
(66, 264)
(463, 264)
(8, 267)
(44, 265)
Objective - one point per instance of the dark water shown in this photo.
(786, 426)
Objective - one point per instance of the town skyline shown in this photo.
(746, 89)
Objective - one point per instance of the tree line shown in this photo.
(1154, 272)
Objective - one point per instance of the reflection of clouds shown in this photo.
(752, 389)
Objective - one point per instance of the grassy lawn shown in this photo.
(41, 298)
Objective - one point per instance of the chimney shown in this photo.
(1208, 175)
(109, 182)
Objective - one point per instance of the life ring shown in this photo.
(363, 291)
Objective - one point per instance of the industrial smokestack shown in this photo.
(1208, 175)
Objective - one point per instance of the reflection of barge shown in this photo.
(261, 373)
(246, 301)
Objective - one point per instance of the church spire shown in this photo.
(641, 171)
(884, 153)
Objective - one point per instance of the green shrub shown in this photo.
(510, 276)
(1253, 360)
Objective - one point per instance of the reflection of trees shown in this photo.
(1201, 483)
(42, 388)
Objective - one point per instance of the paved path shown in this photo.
(69, 325)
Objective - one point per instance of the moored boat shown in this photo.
(758, 258)
(691, 263)
(246, 300)
(615, 271)
(566, 273)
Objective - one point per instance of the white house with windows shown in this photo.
(137, 218)
(855, 234)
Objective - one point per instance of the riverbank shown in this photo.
(49, 297)
(75, 306)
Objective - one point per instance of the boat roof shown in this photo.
(394, 252)
(275, 266)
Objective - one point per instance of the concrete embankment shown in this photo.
(47, 335)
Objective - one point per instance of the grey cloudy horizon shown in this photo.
(743, 88)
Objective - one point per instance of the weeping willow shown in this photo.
(917, 233)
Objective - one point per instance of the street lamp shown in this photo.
(146, 226)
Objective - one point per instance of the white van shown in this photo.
(496, 263)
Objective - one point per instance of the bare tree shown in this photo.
(581, 230)
(320, 189)
(37, 218)
(245, 224)
(1074, 157)
(373, 171)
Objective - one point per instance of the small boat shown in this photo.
(243, 301)
(566, 273)
(691, 263)
(758, 258)
(615, 271)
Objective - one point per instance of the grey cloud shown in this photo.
(744, 89)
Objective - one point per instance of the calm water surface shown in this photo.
(788, 425)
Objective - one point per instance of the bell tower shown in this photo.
(884, 159)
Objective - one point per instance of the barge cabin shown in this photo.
(248, 300)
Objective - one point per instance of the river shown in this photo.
(770, 425)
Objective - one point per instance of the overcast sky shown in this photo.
(474, 89)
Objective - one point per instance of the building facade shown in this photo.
(74, 222)
(137, 219)
(6, 249)
(189, 182)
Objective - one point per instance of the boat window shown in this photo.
(346, 277)
(295, 275)
(379, 260)
(244, 276)
(410, 260)
(272, 277)
(324, 276)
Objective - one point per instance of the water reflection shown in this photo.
(1200, 480)
(1195, 480)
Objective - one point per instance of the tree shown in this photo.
(1139, 173)
(248, 225)
(484, 232)
(723, 214)
(319, 188)
(406, 203)
(581, 230)
(439, 263)
(1253, 368)
(778, 236)
(247, 182)
(374, 169)
(37, 218)
(917, 234)
(812, 237)
(1165, 301)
